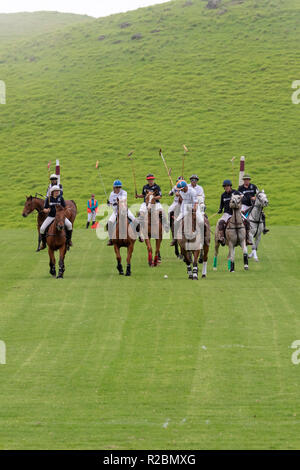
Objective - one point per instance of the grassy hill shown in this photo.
(19, 25)
(216, 80)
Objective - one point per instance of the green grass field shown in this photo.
(102, 361)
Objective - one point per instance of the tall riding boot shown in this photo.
(265, 230)
(221, 226)
(43, 241)
(69, 238)
(110, 228)
(87, 225)
(173, 242)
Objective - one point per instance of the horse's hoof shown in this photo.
(246, 267)
(231, 271)
(59, 276)
(214, 269)
(121, 273)
(195, 278)
(128, 274)
(256, 259)
(203, 276)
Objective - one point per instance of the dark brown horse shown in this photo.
(56, 238)
(123, 229)
(35, 203)
(154, 228)
(191, 246)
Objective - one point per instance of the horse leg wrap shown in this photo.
(229, 265)
(232, 267)
(189, 271)
(150, 258)
(245, 261)
(201, 257)
(215, 263)
(204, 269)
(155, 260)
(195, 272)
(128, 270)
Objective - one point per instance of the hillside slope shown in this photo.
(216, 80)
(20, 25)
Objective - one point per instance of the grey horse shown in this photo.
(256, 221)
(235, 234)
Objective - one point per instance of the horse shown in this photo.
(129, 239)
(256, 221)
(235, 234)
(56, 238)
(199, 236)
(154, 228)
(35, 203)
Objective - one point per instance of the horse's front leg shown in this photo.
(52, 262)
(62, 253)
(205, 258)
(118, 256)
(129, 255)
(195, 264)
(157, 248)
(149, 248)
(255, 245)
(245, 254)
(217, 244)
(231, 257)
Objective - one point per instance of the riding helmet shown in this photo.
(117, 184)
(227, 183)
(179, 178)
(53, 177)
(246, 177)
(194, 177)
(181, 184)
(54, 188)
(150, 177)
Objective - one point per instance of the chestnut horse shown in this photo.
(154, 228)
(35, 203)
(56, 238)
(123, 228)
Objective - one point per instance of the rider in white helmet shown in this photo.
(50, 209)
(54, 182)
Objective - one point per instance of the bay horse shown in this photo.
(35, 203)
(194, 243)
(154, 228)
(123, 229)
(56, 238)
(235, 234)
(256, 221)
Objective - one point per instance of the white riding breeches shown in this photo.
(92, 216)
(113, 217)
(48, 221)
(245, 208)
(225, 217)
(157, 206)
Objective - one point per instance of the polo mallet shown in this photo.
(133, 171)
(167, 170)
(184, 154)
(97, 167)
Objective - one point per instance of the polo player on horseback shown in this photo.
(225, 205)
(152, 186)
(188, 198)
(50, 209)
(118, 193)
(249, 191)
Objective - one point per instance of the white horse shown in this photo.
(235, 234)
(256, 221)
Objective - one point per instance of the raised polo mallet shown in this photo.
(97, 167)
(167, 170)
(185, 151)
(133, 170)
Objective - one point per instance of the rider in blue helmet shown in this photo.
(118, 193)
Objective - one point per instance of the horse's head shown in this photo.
(150, 198)
(28, 206)
(60, 218)
(122, 205)
(236, 201)
(261, 198)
